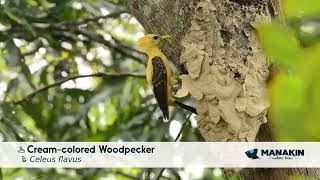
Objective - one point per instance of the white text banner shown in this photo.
(158, 154)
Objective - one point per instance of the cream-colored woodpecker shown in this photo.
(159, 74)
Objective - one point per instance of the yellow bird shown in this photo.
(159, 73)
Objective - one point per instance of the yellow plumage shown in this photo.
(159, 74)
(150, 45)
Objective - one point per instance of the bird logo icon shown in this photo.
(252, 154)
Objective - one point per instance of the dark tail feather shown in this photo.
(160, 94)
(165, 112)
(186, 107)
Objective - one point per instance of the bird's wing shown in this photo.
(159, 83)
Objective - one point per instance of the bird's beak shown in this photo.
(165, 37)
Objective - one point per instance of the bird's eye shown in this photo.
(155, 37)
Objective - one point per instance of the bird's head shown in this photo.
(151, 41)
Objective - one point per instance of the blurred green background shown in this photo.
(292, 45)
(44, 43)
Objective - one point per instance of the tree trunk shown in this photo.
(227, 72)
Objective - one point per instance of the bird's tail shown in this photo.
(186, 107)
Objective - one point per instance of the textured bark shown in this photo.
(164, 17)
(227, 70)
(216, 41)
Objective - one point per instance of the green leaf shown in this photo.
(289, 107)
(36, 109)
(279, 43)
(7, 132)
(12, 86)
(296, 8)
(32, 2)
(19, 20)
(60, 5)
(315, 105)
(10, 126)
(46, 5)
(13, 57)
(2, 65)
(309, 65)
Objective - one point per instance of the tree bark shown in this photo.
(227, 72)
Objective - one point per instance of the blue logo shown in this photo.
(275, 153)
(252, 154)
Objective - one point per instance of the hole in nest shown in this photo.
(237, 75)
(226, 36)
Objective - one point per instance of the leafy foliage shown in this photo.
(295, 88)
(44, 42)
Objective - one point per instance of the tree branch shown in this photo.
(93, 37)
(103, 75)
(134, 54)
(175, 140)
(182, 128)
(93, 19)
(63, 32)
